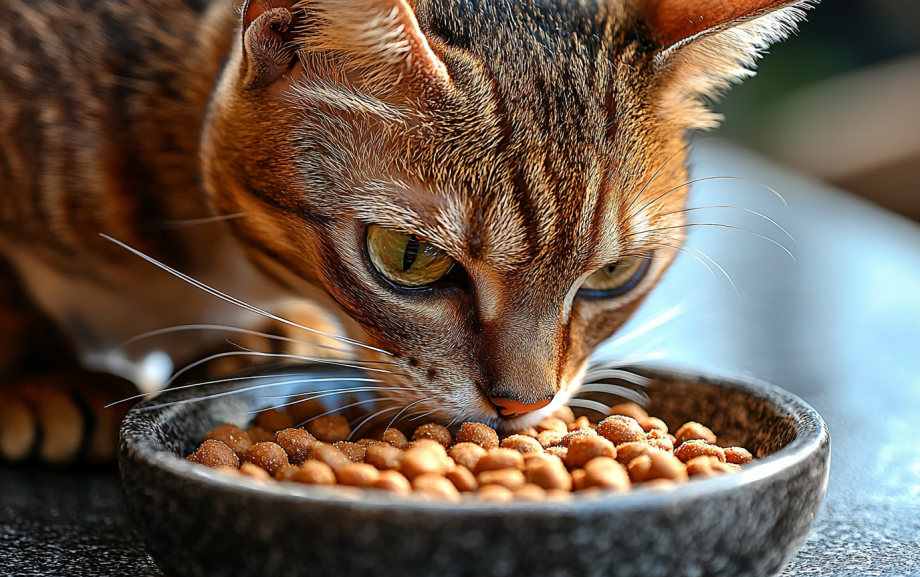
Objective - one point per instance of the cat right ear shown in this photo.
(380, 40)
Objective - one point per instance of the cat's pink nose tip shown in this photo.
(511, 407)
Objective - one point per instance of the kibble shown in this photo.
(587, 448)
(738, 455)
(215, 454)
(691, 431)
(296, 443)
(435, 432)
(266, 455)
(477, 433)
(522, 444)
(383, 456)
(232, 436)
(395, 437)
(329, 428)
(698, 448)
(466, 454)
(562, 454)
(274, 420)
(619, 429)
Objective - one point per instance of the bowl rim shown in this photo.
(811, 436)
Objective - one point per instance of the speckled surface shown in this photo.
(196, 522)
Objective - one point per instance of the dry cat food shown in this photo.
(560, 455)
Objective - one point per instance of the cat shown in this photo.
(479, 192)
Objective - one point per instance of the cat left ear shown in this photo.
(708, 45)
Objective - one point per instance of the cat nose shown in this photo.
(514, 407)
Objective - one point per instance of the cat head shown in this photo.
(487, 190)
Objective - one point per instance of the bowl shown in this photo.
(196, 522)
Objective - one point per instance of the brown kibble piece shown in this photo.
(663, 443)
(286, 472)
(436, 486)
(423, 459)
(547, 472)
(329, 428)
(383, 456)
(495, 493)
(581, 423)
(587, 448)
(395, 437)
(393, 481)
(558, 452)
(274, 420)
(496, 459)
(530, 492)
(564, 414)
(578, 480)
(435, 432)
(329, 455)
(314, 473)
(522, 444)
(549, 438)
(707, 466)
(353, 451)
(653, 424)
(629, 451)
(510, 478)
(232, 436)
(463, 479)
(605, 473)
(254, 471)
(656, 465)
(215, 454)
(466, 454)
(258, 435)
(483, 435)
(553, 424)
(568, 438)
(529, 432)
(358, 475)
(693, 430)
(738, 456)
(698, 448)
(620, 429)
(268, 455)
(296, 443)
(303, 411)
(629, 410)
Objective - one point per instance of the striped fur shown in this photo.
(532, 141)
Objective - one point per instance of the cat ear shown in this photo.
(379, 39)
(708, 45)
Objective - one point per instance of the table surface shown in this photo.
(839, 326)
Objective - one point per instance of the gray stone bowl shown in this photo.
(195, 521)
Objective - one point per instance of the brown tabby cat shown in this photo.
(485, 190)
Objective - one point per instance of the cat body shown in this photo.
(534, 152)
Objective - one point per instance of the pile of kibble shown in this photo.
(547, 462)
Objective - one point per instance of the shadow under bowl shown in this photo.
(198, 522)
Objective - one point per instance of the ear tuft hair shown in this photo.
(697, 71)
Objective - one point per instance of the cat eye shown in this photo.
(616, 278)
(405, 259)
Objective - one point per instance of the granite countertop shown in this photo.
(839, 326)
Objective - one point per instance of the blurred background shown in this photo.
(842, 101)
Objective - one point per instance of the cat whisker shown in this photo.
(235, 301)
(206, 327)
(373, 415)
(590, 405)
(247, 389)
(178, 224)
(653, 323)
(718, 225)
(327, 413)
(337, 392)
(406, 408)
(638, 195)
(191, 366)
(629, 377)
(686, 248)
(741, 208)
(635, 396)
(423, 415)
